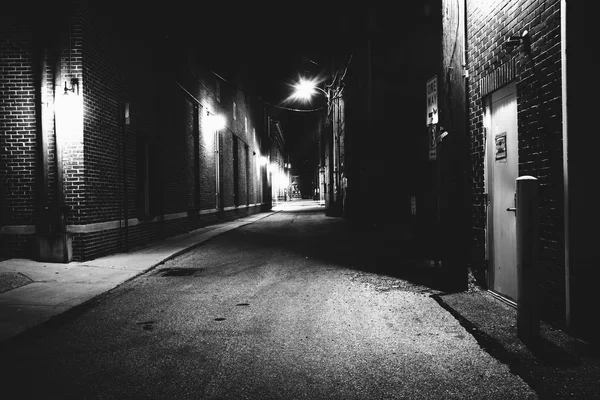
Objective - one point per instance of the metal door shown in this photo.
(503, 171)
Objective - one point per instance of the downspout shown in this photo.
(565, 131)
(42, 222)
(217, 172)
(466, 145)
(124, 183)
(57, 223)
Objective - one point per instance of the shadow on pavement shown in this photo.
(551, 354)
(384, 250)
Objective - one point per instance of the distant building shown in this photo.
(279, 170)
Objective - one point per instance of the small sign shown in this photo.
(501, 147)
(432, 101)
(413, 205)
(431, 138)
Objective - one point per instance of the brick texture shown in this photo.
(17, 126)
(124, 183)
(538, 77)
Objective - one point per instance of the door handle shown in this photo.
(513, 208)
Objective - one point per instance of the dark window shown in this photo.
(247, 154)
(236, 172)
(146, 177)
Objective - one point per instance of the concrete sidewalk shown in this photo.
(33, 292)
(557, 366)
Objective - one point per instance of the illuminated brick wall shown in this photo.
(538, 77)
(171, 96)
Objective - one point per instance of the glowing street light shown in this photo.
(305, 89)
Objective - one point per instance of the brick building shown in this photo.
(371, 168)
(510, 78)
(278, 163)
(524, 64)
(113, 134)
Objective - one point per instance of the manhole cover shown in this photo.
(179, 271)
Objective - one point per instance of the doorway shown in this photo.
(502, 172)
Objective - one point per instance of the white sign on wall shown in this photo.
(432, 101)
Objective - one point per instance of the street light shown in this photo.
(305, 89)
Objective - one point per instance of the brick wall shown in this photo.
(17, 133)
(208, 164)
(538, 77)
(170, 94)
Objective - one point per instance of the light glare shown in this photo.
(216, 122)
(305, 89)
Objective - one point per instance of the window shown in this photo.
(146, 177)
(234, 111)
(218, 91)
(236, 172)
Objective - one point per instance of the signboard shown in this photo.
(432, 101)
(501, 147)
(431, 138)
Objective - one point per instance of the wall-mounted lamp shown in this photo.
(126, 112)
(517, 40)
(74, 85)
(215, 122)
(443, 134)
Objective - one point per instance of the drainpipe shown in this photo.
(217, 172)
(124, 173)
(565, 131)
(42, 222)
(58, 223)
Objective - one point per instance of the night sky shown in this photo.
(273, 45)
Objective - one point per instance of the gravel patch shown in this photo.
(12, 280)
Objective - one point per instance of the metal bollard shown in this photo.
(528, 271)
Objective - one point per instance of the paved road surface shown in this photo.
(289, 307)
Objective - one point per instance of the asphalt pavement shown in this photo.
(35, 294)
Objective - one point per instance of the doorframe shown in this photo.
(487, 171)
(487, 185)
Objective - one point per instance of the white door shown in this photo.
(503, 170)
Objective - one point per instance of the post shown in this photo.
(528, 271)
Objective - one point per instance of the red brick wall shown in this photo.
(538, 77)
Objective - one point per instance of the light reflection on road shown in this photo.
(299, 205)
